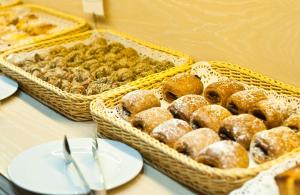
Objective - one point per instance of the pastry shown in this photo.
(170, 131)
(241, 101)
(209, 116)
(224, 154)
(241, 128)
(184, 106)
(194, 141)
(218, 92)
(148, 119)
(288, 182)
(270, 111)
(180, 85)
(293, 122)
(137, 101)
(270, 144)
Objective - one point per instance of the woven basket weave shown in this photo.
(200, 177)
(76, 106)
(65, 24)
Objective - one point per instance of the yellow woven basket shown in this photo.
(75, 106)
(75, 24)
(10, 3)
(200, 177)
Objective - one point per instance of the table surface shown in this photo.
(260, 35)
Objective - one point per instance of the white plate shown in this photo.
(42, 169)
(7, 86)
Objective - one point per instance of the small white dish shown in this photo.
(42, 169)
(7, 87)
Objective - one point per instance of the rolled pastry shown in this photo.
(270, 111)
(194, 141)
(218, 92)
(180, 85)
(240, 102)
(224, 154)
(148, 119)
(270, 144)
(170, 131)
(137, 101)
(241, 128)
(209, 116)
(184, 106)
(293, 122)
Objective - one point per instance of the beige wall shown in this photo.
(263, 35)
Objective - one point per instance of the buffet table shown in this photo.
(25, 122)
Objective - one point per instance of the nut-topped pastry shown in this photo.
(218, 92)
(224, 154)
(148, 119)
(270, 144)
(241, 101)
(209, 116)
(170, 131)
(293, 122)
(180, 85)
(270, 111)
(184, 106)
(137, 101)
(194, 141)
(241, 128)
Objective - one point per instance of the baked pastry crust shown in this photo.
(224, 154)
(289, 181)
(209, 116)
(270, 144)
(241, 102)
(293, 122)
(180, 85)
(241, 128)
(218, 92)
(269, 111)
(194, 141)
(184, 106)
(148, 119)
(137, 101)
(170, 131)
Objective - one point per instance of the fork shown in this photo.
(69, 159)
(95, 149)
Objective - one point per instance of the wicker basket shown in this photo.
(76, 106)
(65, 24)
(9, 3)
(200, 177)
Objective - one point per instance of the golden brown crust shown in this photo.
(170, 131)
(180, 85)
(241, 128)
(289, 181)
(194, 141)
(224, 154)
(137, 101)
(148, 119)
(218, 92)
(241, 102)
(269, 111)
(293, 122)
(184, 106)
(209, 116)
(270, 144)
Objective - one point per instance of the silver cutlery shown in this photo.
(69, 159)
(95, 149)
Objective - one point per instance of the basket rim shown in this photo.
(79, 23)
(79, 36)
(13, 3)
(97, 108)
